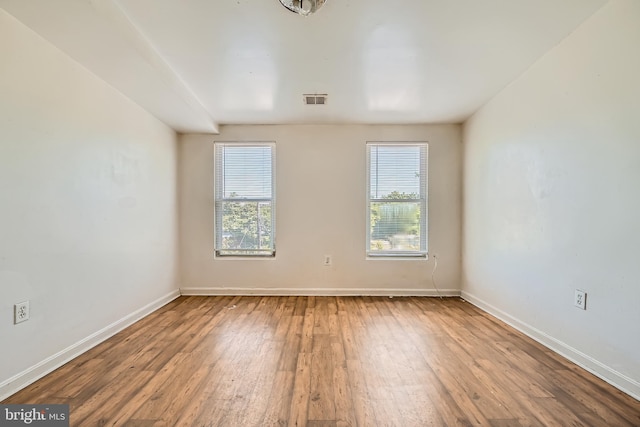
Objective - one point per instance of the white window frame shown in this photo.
(219, 199)
(422, 200)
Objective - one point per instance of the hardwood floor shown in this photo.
(327, 361)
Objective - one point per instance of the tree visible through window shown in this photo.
(245, 200)
(397, 199)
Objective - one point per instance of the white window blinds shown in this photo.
(397, 199)
(245, 199)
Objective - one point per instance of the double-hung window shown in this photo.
(397, 199)
(245, 199)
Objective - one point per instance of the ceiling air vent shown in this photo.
(315, 98)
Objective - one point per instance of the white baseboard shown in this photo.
(39, 370)
(321, 292)
(602, 371)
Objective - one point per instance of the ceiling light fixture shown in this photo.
(303, 7)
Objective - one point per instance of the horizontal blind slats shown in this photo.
(246, 171)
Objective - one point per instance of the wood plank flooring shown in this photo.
(330, 362)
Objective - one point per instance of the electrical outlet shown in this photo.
(327, 260)
(20, 312)
(580, 299)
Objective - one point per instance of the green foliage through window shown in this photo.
(246, 225)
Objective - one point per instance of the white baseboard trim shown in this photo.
(39, 370)
(319, 292)
(602, 371)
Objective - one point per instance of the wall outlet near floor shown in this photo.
(20, 312)
(580, 299)
(327, 260)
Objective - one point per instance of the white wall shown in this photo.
(552, 197)
(88, 211)
(321, 205)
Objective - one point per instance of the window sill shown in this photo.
(403, 256)
(217, 255)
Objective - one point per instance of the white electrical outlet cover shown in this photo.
(21, 312)
(580, 299)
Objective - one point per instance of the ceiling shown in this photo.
(197, 64)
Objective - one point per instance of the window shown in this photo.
(397, 199)
(244, 199)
